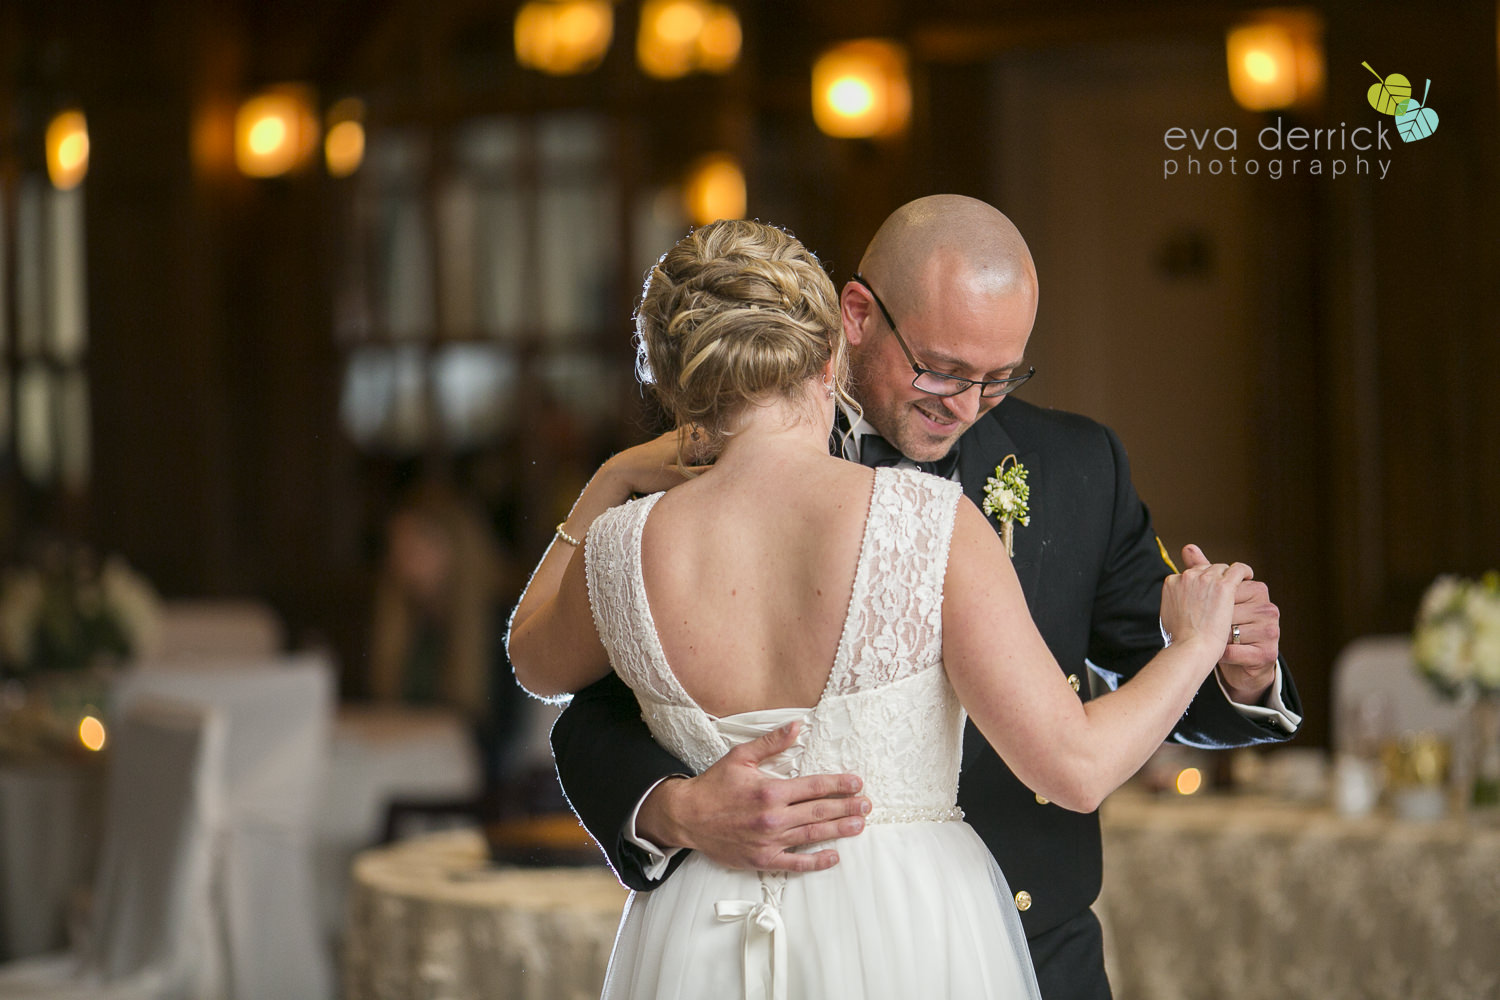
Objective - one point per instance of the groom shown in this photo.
(937, 321)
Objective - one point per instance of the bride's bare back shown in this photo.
(748, 572)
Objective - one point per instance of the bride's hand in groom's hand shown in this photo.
(1247, 667)
(740, 817)
(1197, 605)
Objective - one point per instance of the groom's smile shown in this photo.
(969, 326)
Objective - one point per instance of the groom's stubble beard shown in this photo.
(893, 407)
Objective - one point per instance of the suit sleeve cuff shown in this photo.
(654, 865)
(1273, 713)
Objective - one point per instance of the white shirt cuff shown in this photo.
(1274, 711)
(657, 868)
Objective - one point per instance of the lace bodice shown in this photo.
(887, 712)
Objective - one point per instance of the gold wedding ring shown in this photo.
(1234, 635)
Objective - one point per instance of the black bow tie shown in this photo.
(875, 451)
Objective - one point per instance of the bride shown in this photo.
(868, 609)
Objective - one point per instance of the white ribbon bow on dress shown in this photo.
(765, 946)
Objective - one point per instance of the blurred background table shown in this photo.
(432, 917)
(381, 755)
(1250, 898)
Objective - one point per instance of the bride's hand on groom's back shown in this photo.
(741, 817)
(653, 466)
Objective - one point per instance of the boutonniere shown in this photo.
(1005, 499)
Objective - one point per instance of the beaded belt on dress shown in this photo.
(935, 814)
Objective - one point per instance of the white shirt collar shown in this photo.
(858, 428)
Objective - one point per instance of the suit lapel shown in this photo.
(984, 446)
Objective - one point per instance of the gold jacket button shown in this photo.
(1073, 681)
(1023, 900)
(1042, 800)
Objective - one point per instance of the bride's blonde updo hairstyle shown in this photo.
(737, 312)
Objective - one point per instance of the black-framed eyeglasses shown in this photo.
(938, 383)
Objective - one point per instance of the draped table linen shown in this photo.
(430, 917)
(1250, 898)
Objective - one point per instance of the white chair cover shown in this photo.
(195, 629)
(277, 744)
(152, 932)
(51, 815)
(1377, 693)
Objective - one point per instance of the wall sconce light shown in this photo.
(1276, 61)
(67, 150)
(275, 131)
(344, 143)
(677, 37)
(715, 189)
(860, 89)
(718, 46)
(563, 37)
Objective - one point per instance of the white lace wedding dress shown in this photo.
(916, 906)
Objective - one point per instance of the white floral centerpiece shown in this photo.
(1456, 646)
(1456, 642)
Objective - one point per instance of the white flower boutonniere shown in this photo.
(1005, 499)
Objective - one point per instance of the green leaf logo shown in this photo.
(1391, 94)
(1416, 120)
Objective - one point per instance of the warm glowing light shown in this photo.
(67, 150)
(267, 135)
(679, 20)
(344, 148)
(563, 37)
(1261, 66)
(344, 142)
(1189, 780)
(719, 41)
(860, 90)
(1276, 62)
(91, 733)
(677, 37)
(715, 189)
(851, 96)
(275, 132)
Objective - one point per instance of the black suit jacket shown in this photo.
(1091, 569)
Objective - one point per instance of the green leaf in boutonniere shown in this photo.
(1005, 499)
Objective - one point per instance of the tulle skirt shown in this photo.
(911, 910)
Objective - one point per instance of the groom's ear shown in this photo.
(854, 309)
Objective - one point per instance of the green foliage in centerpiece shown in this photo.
(66, 612)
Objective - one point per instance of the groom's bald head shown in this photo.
(959, 284)
(948, 235)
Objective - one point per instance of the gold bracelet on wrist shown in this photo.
(565, 536)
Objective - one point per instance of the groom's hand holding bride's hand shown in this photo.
(741, 817)
(1247, 667)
